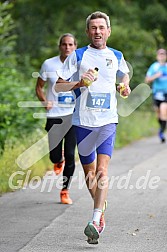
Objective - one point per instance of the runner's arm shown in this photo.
(150, 79)
(41, 94)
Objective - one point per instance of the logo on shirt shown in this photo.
(109, 63)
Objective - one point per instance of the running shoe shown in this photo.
(92, 241)
(92, 231)
(102, 220)
(58, 167)
(161, 136)
(64, 197)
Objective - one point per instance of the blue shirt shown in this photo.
(159, 84)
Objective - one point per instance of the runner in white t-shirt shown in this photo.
(59, 109)
(95, 115)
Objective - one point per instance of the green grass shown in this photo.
(136, 126)
(8, 165)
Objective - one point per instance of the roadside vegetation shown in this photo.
(29, 35)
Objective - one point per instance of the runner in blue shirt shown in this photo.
(157, 75)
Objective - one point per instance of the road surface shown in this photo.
(32, 219)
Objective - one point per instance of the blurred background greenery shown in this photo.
(29, 33)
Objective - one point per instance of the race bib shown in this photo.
(65, 99)
(159, 96)
(98, 101)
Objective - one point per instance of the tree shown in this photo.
(14, 122)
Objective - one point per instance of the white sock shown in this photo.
(96, 215)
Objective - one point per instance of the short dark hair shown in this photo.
(98, 14)
(67, 35)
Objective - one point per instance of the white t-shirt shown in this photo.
(64, 101)
(96, 105)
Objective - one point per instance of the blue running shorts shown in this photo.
(95, 140)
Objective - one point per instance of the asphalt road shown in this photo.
(33, 220)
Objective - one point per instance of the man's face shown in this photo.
(161, 57)
(67, 46)
(98, 33)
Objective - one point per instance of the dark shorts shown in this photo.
(51, 121)
(95, 140)
(157, 101)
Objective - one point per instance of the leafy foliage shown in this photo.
(14, 122)
(29, 31)
(137, 30)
